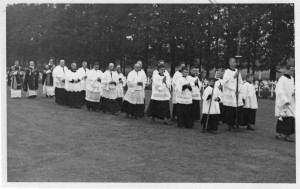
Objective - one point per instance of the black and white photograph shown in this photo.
(169, 93)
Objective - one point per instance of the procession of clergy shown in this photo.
(229, 100)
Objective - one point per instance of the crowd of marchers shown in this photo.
(231, 100)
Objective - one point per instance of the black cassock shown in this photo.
(31, 79)
(15, 81)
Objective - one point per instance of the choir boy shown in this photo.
(184, 101)
(285, 104)
(159, 104)
(250, 102)
(211, 108)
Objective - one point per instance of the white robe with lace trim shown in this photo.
(109, 90)
(83, 73)
(135, 94)
(183, 96)
(285, 92)
(229, 89)
(160, 89)
(93, 86)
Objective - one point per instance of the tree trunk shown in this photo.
(173, 56)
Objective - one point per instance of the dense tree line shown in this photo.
(197, 34)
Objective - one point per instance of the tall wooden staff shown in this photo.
(238, 57)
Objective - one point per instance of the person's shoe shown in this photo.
(250, 128)
(278, 137)
(288, 139)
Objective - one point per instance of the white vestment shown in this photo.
(75, 77)
(83, 72)
(229, 89)
(214, 107)
(174, 80)
(183, 96)
(196, 89)
(59, 74)
(285, 92)
(93, 86)
(160, 89)
(120, 86)
(135, 93)
(248, 93)
(109, 90)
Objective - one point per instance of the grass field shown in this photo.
(51, 143)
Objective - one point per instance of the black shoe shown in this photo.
(288, 139)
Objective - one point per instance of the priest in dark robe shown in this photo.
(47, 81)
(285, 105)
(15, 75)
(31, 84)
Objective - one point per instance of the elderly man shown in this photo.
(120, 87)
(230, 90)
(59, 74)
(109, 82)
(285, 105)
(83, 72)
(134, 99)
(31, 84)
(15, 77)
(93, 88)
(73, 87)
(48, 87)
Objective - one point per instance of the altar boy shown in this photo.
(250, 102)
(211, 108)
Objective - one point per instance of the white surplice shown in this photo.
(120, 86)
(229, 89)
(135, 94)
(177, 75)
(214, 107)
(285, 92)
(248, 93)
(196, 89)
(59, 74)
(73, 76)
(109, 90)
(83, 72)
(93, 86)
(160, 89)
(183, 96)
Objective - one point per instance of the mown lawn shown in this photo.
(51, 143)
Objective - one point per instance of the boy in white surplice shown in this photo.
(285, 105)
